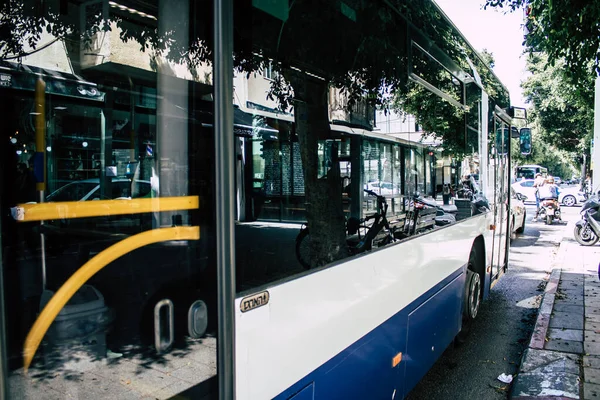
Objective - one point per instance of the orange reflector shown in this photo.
(396, 360)
(492, 227)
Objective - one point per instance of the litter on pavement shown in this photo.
(505, 378)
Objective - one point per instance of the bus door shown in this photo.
(501, 194)
(107, 192)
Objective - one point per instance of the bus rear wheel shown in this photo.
(472, 297)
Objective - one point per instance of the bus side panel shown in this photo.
(317, 316)
(366, 369)
(431, 328)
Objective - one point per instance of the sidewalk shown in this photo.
(563, 358)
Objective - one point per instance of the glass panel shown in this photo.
(106, 125)
(316, 90)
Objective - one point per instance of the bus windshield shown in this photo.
(529, 171)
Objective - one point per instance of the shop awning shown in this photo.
(24, 77)
(248, 125)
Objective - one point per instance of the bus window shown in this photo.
(120, 150)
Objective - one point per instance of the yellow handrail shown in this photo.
(99, 208)
(83, 274)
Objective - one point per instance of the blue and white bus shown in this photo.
(529, 171)
(191, 144)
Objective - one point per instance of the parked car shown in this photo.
(519, 213)
(557, 180)
(89, 189)
(567, 196)
(570, 196)
(85, 232)
(383, 188)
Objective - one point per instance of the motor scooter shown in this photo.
(587, 230)
(549, 210)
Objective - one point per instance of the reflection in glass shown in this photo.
(109, 118)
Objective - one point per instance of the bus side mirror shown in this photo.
(525, 141)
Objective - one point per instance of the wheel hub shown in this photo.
(474, 294)
(586, 233)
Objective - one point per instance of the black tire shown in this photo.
(472, 297)
(511, 231)
(522, 227)
(303, 248)
(569, 200)
(585, 238)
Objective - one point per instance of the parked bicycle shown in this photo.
(360, 236)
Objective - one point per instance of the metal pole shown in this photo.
(225, 194)
(40, 160)
(595, 162)
(3, 363)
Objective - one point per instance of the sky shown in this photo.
(499, 33)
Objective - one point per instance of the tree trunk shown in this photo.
(323, 195)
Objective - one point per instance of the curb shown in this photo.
(541, 398)
(540, 330)
(538, 337)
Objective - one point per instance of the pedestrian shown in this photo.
(446, 194)
(537, 183)
(588, 184)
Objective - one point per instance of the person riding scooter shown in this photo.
(548, 194)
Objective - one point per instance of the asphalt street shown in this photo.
(504, 324)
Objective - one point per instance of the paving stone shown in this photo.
(569, 308)
(592, 282)
(592, 303)
(571, 276)
(591, 348)
(194, 372)
(136, 377)
(172, 391)
(570, 298)
(593, 318)
(590, 309)
(591, 361)
(592, 326)
(545, 361)
(575, 300)
(565, 334)
(571, 283)
(568, 346)
(591, 391)
(550, 384)
(566, 320)
(591, 375)
(592, 336)
(572, 294)
(23, 387)
(77, 385)
(576, 290)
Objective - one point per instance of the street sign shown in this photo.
(517, 112)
